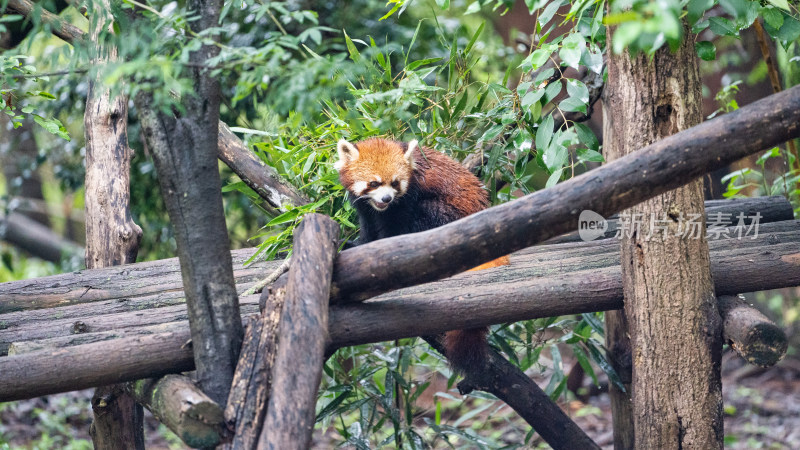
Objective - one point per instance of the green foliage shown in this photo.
(777, 170)
(14, 94)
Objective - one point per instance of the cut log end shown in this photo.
(750, 333)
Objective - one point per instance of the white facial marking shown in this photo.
(347, 153)
(378, 179)
(403, 185)
(359, 187)
(376, 197)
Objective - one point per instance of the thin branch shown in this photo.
(258, 287)
(60, 27)
(772, 70)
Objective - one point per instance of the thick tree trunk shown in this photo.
(185, 153)
(670, 305)
(112, 238)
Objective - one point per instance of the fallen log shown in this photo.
(387, 264)
(750, 333)
(532, 269)
(302, 337)
(470, 300)
(179, 404)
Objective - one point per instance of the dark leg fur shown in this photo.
(466, 348)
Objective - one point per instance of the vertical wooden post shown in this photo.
(112, 238)
(670, 305)
(302, 338)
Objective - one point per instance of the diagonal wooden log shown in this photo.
(388, 264)
(302, 337)
(58, 26)
(260, 177)
(470, 300)
(497, 376)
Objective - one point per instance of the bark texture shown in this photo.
(180, 405)
(252, 382)
(112, 238)
(540, 282)
(185, 153)
(754, 337)
(260, 177)
(670, 304)
(303, 331)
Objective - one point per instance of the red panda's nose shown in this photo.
(386, 198)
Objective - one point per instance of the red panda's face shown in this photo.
(375, 170)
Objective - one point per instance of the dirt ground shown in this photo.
(762, 410)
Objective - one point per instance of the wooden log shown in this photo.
(750, 333)
(98, 364)
(177, 402)
(37, 239)
(252, 382)
(466, 303)
(126, 285)
(507, 382)
(65, 332)
(387, 264)
(302, 337)
(261, 178)
(59, 27)
(744, 265)
(719, 213)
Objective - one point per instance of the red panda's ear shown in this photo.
(347, 153)
(409, 155)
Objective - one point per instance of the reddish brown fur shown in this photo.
(440, 177)
(436, 172)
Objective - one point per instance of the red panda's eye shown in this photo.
(395, 184)
(374, 184)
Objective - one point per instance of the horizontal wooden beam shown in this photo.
(541, 282)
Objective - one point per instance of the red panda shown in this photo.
(399, 188)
